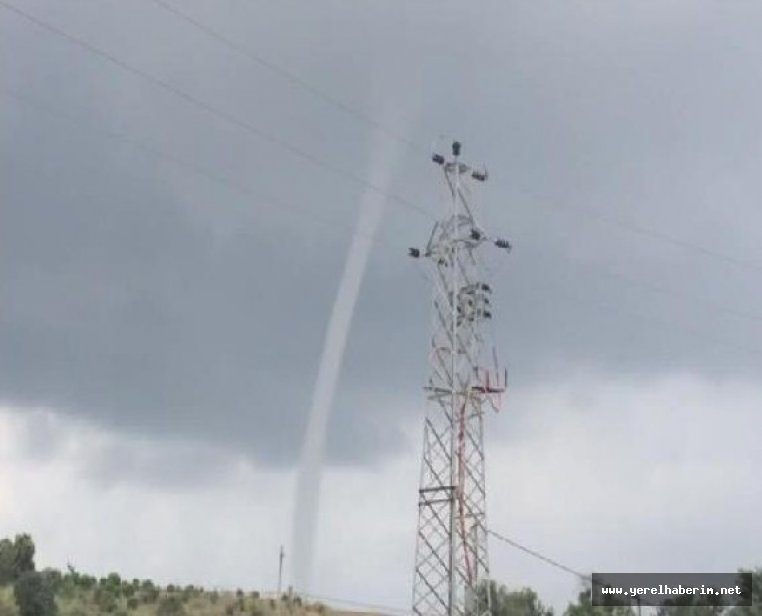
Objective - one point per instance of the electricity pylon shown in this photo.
(451, 563)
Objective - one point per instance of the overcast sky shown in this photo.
(166, 278)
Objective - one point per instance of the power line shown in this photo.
(282, 207)
(247, 191)
(689, 298)
(373, 606)
(511, 542)
(375, 124)
(291, 77)
(669, 239)
(669, 325)
(535, 554)
(585, 578)
(349, 176)
(230, 119)
(265, 200)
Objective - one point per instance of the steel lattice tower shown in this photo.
(451, 562)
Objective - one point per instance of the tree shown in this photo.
(584, 607)
(24, 554)
(7, 556)
(34, 596)
(509, 603)
(685, 605)
(16, 558)
(756, 596)
(691, 610)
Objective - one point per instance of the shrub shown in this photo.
(34, 596)
(150, 596)
(54, 579)
(256, 610)
(105, 600)
(16, 558)
(170, 606)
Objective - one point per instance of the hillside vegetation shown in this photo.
(27, 592)
(24, 591)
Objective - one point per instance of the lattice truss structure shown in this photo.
(451, 563)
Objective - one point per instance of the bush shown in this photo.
(170, 606)
(7, 603)
(149, 593)
(54, 579)
(105, 601)
(34, 596)
(256, 610)
(16, 558)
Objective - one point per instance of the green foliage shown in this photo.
(584, 607)
(105, 599)
(256, 610)
(74, 594)
(170, 605)
(16, 558)
(686, 606)
(756, 596)
(149, 593)
(511, 603)
(691, 610)
(53, 578)
(34, 596)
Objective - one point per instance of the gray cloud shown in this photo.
(152, 300)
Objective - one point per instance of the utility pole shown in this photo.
(281, 556)
(451, 563)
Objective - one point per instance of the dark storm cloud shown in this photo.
(150, 299)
